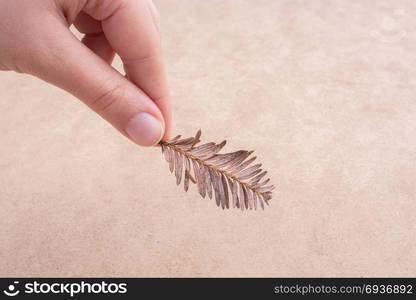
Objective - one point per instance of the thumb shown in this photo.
(65, 62)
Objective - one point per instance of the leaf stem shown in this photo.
(225, 173)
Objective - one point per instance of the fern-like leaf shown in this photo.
(229, 178)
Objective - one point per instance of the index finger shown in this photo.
(131, 28)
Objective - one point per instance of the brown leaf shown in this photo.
(255, 200)
(260, 197)
(187, 173)
(225, 190)
(173, 140)
(232, 184)
(253, 181)
(170, 159)
(265, 189)
(221, 160)
(250, 199)
(248, 175)
(248, 170)
(215, 185)
(238, 160)
(262, 183)
(178, 167)
(199, 179)
(242, 196)
(208, 185)
(224, 176)
(238, 168)
(203, 149)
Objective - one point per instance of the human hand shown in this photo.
(35, 39)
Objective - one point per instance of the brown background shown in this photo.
(324, 91)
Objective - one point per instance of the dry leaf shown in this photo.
(229, 177)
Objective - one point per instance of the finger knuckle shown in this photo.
(107, 98)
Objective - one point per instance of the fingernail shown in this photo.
(144, 129)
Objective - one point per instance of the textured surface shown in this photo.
(324, 91)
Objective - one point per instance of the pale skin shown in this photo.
(35, 39)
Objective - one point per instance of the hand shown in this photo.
(35, 39)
